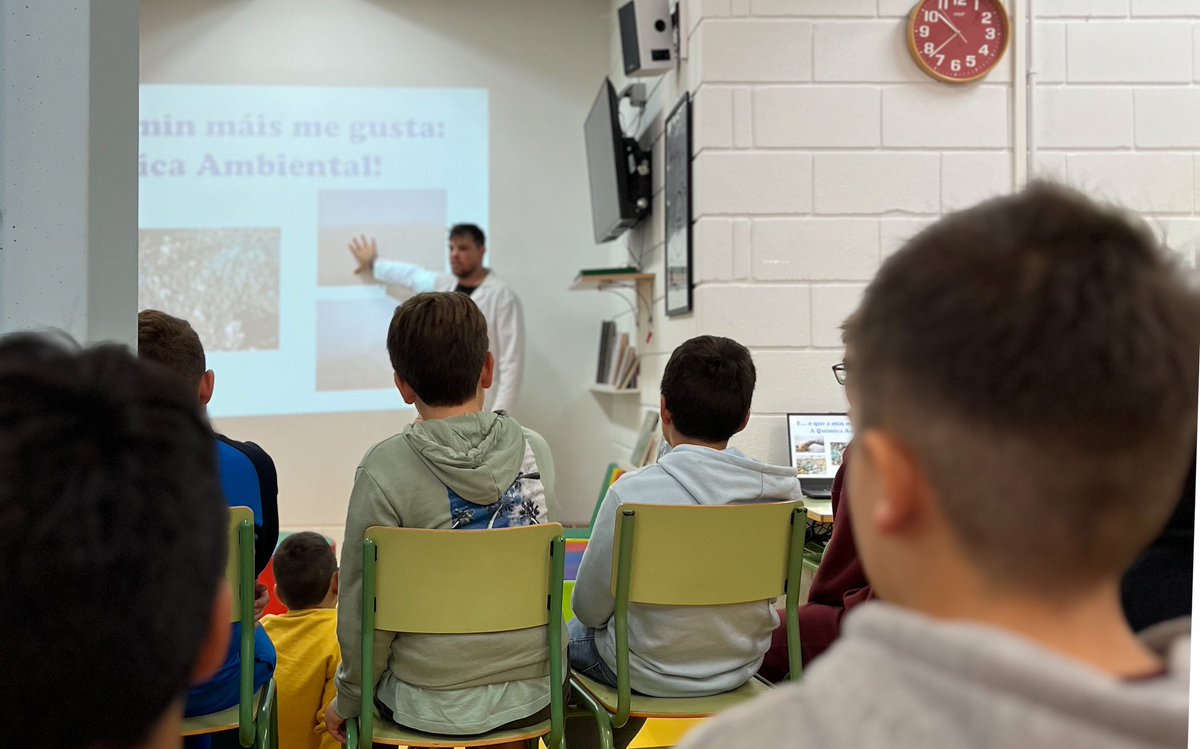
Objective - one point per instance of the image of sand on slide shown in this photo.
(407, 225)
(223, 281)
(352, 344)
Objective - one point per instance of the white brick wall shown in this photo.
(816, 117)
(968, 178)
(939, 116)
(861, 51)
(1067, 117)
(820, 149)
(1196, 52)
(739, 312)
(1147, 182)
(1050, 52)
(766, 8)
(831, 305)
(753, 51)
(1168, 118)
(877, 182)
(750, 183)
(1082, 8)
(786, 249)
(1129, 52)
(1182, 8)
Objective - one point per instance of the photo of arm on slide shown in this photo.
(468, 275)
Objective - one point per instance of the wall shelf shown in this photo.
(609, 279)
(640, 283)
(610, 390)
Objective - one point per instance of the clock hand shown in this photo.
(952, 26)
(939, 49)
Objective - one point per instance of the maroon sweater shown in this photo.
(839, 585)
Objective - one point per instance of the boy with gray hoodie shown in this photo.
(706, 391)
(1024, 413)
(456, 468)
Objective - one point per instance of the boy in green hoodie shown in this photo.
(456, 468)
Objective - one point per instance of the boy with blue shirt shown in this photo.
(707, 388)
(248, 479)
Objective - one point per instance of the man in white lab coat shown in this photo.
(499, 305)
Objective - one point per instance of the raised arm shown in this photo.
(397, 272)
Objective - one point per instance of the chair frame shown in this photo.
(361, 729)
(261, 731)
(626, 531)
(611, 475)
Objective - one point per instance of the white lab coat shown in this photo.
(500, 307)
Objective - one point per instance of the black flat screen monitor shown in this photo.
(611, 168)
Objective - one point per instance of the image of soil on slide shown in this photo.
(225, 282)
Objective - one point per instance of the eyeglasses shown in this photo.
(840, 373)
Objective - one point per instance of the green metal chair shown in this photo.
(257, 724)
(750, 552)
(611, 474)
(395, 600)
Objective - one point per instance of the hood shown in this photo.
(478, 455)
(719, 476)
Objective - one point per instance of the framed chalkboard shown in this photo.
(677, 187)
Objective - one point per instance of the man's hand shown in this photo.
(335, 724)
(364, 252)
(262, 597)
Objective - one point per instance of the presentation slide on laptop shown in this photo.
(816, 443)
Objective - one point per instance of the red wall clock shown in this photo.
(958, 41)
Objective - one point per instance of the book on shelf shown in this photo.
(608, 331)
(645, 442)
(617, 361)
(629, 371)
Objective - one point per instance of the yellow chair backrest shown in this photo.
(706, 555)
(462, 581)
(236, 563)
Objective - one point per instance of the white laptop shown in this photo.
(815, 445)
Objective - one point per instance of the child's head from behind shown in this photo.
(438, 344)
(113, 534)
(1026, 376)
(707, 388)
(305, 571)
(173, 343)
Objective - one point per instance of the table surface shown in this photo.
(819, 510)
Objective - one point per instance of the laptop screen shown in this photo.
(816, 442)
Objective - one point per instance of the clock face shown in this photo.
(958, 40)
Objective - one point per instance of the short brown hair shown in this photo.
(438, 344)
(304, 565)
(708, 385)
(171, 342)
(468, 230)
(1038, 353)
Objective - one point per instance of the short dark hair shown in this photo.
(1038, 353)
(171, 342)
(708, 385)
(438, 344)
(304, 565)
(468, 230)
(113, 533)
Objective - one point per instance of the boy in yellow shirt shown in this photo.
(306, 580)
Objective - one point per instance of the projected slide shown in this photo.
(248, 197)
